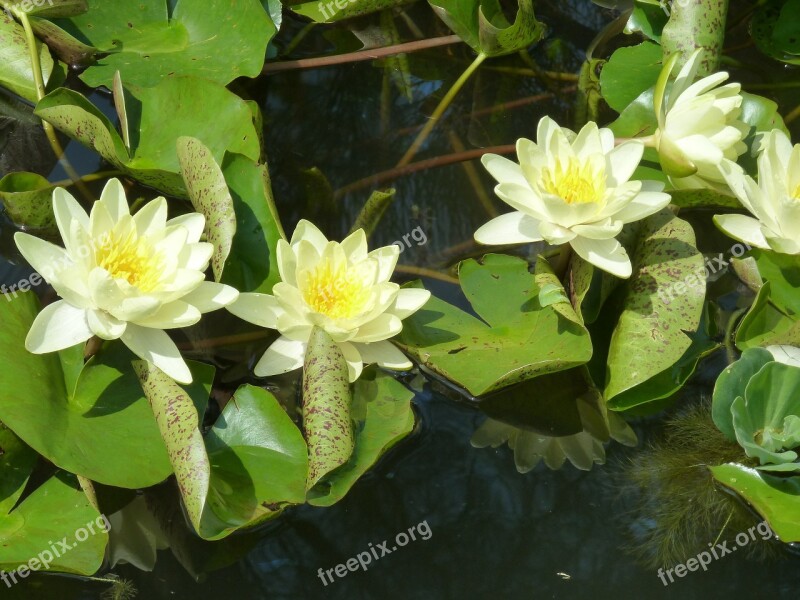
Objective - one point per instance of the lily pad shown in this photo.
(695, 25)
(629, 72)
(517, 338)
(151, 40)
(776, 30)
(152, 159)
(331, 11)
(731, 384)
(15, 59)
(661, 311)
(56, 513)
(482, 25)
(777, 499)
(28, 200)
(383, 416)
(97, 425)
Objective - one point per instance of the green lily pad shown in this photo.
(482, 25)
(15, 59)
(47, 8)
(629, 72)
(731, 384)
(28, 200)
(661, 310)
(16, 463)
(252, 265)
(776, 30)
(151, 40)
(517, 338)
(152, 159)
(97, 425)
(777, 499)
(56, 513)
(259, 463)
(383, 416)
(766, 420)
(648, 18)
(330, 11)
(773, 316)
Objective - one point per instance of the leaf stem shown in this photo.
(444, 104)
(38, 78)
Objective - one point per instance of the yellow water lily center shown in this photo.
(340, 287)
(572, 189)
(123, 276)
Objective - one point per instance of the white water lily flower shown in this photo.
(123, 277)
(774, 200)
(572, 189)
(699, 125)
(339, 287)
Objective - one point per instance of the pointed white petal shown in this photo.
(743, 228)
(156, 346)
(386, 259)
(260, 309)
(171, 316)
(355, 246)
(193, 222)
(382, 327)
(643, 205)
(503, 169)
(104, 325)
(408, 301)
(209, 296)
(622, 162)
(58, 326)
(287, 262)
(113, 198)
(511, 228)
(355, 364)
(306, 230)
(282, 356)
(384, 354)
(67, 210)
(608, 255)
(555, 234)
(151, 217)
(599, 230)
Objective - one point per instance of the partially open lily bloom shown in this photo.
(123, 276)
(339, 287)
(774, 200)
(698, 125)
(572, 189)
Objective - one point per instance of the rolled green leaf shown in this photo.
(326, 407)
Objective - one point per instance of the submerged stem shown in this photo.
(444, 104)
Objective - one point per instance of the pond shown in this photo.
(608, 497)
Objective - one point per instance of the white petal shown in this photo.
(622, 162)
(151, 217)
(522, 198)
(355, 364)
(282, 356)
(306, 230)
(599, 230)
(44, 257)
(384, 354)
(58, 326)
(287, 262)
(382, 327)
(193, 222)
(171, 316)
(555, 234)
(743, 228)
(408, 301)
(643, 205)
(355, 246)
(260, 309)
(386, 258)
(67, 210)
(113, 198)
(100, 222)
(511, 228)
(195, 256)
(503, 169)
(209, 296)
(156, 346)
(104, 325)
(608, 255)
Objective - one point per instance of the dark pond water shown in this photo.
(491, 531)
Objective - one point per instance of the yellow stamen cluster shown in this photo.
(575, 182)
(127, 256)
(335, 289)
